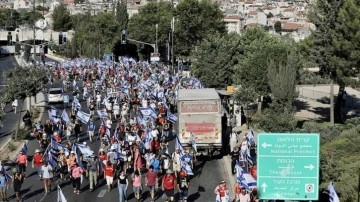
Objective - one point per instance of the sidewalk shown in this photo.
(55, 57)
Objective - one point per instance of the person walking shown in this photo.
(221, 191)
(109, 174)
(151, 180)
(17, 181)
(93, 170)
(62, 164)
(76, 174)
(37, 162)
(91, 129)
(15, 105)
(137, 187)
(47, 175)
(3, 186)
(176, 159)
(122, 186)
(235, 155)
(168, 185)
(244, 196)
(183, 186)
(233, 140)
(22, 163)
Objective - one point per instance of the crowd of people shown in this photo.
(135, 103)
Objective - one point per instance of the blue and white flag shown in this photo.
(54, 115)
(244, 178)
(148, 112)
(120, 156)
(187, 168)
(76, 104)
(148, 138)
(6, 174)
(179, 146)
(331, 191)
(65, 117)
(84, 149)
(251, 137)
(60, 195)
(77, 155)
(24, 148)
(56, 147)
(51, 158)
(192, 141)
(83, 117)
(171, 117)
(102, 113)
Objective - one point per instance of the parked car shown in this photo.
(55, 94)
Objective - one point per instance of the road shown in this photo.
(207, 175)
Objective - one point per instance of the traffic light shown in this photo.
(60, 38)
(123, 36)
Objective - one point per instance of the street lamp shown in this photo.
(156, 38)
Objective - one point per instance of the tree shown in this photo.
(277, 26)
(259, 49)
(324, 15)
(122, 15)
(30, 17)
(282, 79)
(61, 18)
(214, 59)
(195, 20)
(142, 26)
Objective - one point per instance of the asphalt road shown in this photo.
(207, 175)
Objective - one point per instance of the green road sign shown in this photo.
(288, 166)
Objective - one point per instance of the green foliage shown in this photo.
(277, 118)
(22, 82)
(195, 20)
(30, 17)
(214, 59)
(142, 26)
(61, 18)
(306, 78)
(259, 49)
(122, 15)
(94, 38)
(9, 18)
(327, 132)
(245, 96)
(277, 27)
(347, 39)
(282, 79)
(340, 163)
(11, 147)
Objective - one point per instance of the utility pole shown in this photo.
(172, 43)
(332, 118)
(156, 38)
(34, 34)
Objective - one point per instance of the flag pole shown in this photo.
(359, 185)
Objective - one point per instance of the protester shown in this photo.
(137, 185)
(22, 163)
(47, 175)
(109, 174)
(17, 182)
(221, 191)
(244, 196)
(151, 181)
(62, 164)
(122, 186)
(3, 186)
(168, 185)
(183, 186)
(37, 161)
(235, 155)
(93, 170)
(14, 105)
(76, 175)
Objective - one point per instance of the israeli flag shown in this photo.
(192, 141)
(83, 117)
(76, 104)
(52, 159)
(148, 138)
(24, 148)
(171, 117)
(179, 145)
(56, 147)
(187, 168)
(251, 137)
(331, 191)
(165, 103)
(120, 156)
(84, 149)
(53, 115)
(65, 116)
(60, 195)
(148, 112)
(245, 156)
(102, 114)
(244, 178)
(77, 155)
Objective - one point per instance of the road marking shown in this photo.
(42, 198)
(102, 193)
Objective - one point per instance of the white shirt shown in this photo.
(176, 157)
(116, 109)
(98, 98)
(144, 103)
(46, 171)
(154, 133)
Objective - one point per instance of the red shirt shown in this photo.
(222, 190)
(109, 170)
(38, 160)
(102, 157)
(155, 145)
(151, 178)
(22, 159)
(168, 181)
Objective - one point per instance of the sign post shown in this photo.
(288, 166)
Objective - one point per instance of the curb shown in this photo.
(54, 57)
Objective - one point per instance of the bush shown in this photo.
(23, 134)
(11, 147)
(35, 112)
(277, 120)
(310, 78)
(327, 132)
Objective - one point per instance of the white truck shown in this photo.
(199, 113)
